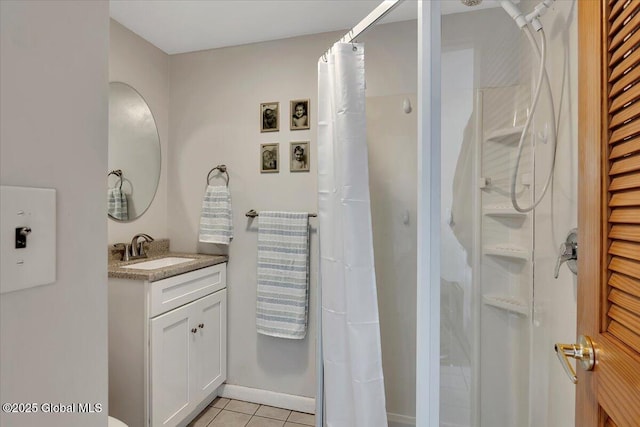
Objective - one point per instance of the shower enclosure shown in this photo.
(501, 309)
(489, 307)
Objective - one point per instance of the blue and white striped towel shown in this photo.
(216, 224)
(283, 274)
(117, 204)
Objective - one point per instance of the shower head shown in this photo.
(471, 3)
(532, 18)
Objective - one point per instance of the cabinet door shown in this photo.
(210, 369)
(172, 355)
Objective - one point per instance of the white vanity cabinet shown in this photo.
(167, 346)
(186, 358)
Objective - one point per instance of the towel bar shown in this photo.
(252, 214)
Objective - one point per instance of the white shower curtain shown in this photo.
(354, 385)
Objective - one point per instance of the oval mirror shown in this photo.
(134, 154)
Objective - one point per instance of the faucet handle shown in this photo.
(125, 248)
(141, 251)
(568, 253)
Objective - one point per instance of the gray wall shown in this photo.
(53, 110)
(206, 107)
(214, 118)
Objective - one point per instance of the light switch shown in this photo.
(27, 237)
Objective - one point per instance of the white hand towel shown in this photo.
(117, 204)
(216, 224)
(283, 274)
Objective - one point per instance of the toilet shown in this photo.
(114, 422)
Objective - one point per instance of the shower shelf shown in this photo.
(508, 135)
(508, 303)
(505, 210)
(507, 250)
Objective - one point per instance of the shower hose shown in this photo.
(542, 76)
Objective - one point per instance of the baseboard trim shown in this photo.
(291, 402)
(270, 398)
(401, 420)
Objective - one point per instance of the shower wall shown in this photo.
(472, 58)
(391, 79)
(555, 309)
(484, 51)
(391, 137)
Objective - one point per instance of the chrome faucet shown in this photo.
(137, 248)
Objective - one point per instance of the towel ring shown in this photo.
(118, 173)
(222, 169)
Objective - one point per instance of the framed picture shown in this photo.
(299, 114)
(299, 155)
(269, 117)
(269, 158)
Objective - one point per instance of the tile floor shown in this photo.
(236, 413)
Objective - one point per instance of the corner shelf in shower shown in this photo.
(503, 210)
(507, 135)
(507, 303)
(508, 250)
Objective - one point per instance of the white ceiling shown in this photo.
(178, 26)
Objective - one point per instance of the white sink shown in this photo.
(158, 263)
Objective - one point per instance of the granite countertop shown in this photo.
(116, 268)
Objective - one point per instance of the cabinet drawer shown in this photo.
(173, 292)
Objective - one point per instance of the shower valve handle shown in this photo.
(568, 253)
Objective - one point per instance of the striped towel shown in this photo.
(117, 204)
(283, 274)
(216, 224)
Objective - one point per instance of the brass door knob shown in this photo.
(584, 352)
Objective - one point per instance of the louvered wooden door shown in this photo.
(609, 211)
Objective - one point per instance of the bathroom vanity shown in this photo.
(167, 338)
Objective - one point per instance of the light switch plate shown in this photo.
(35, 264)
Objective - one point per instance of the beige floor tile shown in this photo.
(205, 417)
(230, 419)
(288, 424)
(243, 407)
(301, 418)
(275, 413)
(264, 422)
(220, 402)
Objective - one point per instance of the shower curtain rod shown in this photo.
(376, 14)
